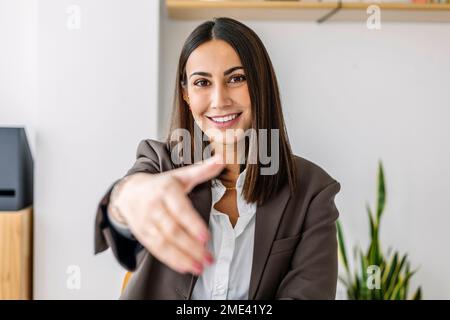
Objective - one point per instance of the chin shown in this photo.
(230, 139)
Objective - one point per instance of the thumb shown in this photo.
(199, 172)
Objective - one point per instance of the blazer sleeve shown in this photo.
(125, 250)
(314, 267)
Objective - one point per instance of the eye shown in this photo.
(237, 78)
(201, 83)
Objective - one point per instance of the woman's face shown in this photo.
(217, 92)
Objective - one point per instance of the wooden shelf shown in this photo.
(304, 11)
(16, 254)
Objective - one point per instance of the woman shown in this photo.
(236, 225)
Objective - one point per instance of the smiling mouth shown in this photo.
(225, 119)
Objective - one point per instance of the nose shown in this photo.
(220, 97)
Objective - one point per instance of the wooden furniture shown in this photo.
(306, 10)
(126, 279)
(16, 234)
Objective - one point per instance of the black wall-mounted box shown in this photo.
(16, 170)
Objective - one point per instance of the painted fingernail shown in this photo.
(209, 258)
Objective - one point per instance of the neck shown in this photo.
(232, 166)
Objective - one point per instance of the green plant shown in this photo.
(393, 272)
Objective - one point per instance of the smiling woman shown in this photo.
(223, 229)
(224, 70)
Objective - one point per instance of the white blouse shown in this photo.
(232, 248)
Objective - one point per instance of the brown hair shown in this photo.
(264, 96)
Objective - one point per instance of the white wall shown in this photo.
(352, 96)
(18, 65)
(98, 93)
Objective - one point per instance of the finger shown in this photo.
(181, 209)
(179, 237)
(155, 242)
(179, 261)
(199, 172)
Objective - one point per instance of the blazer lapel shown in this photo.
(268, 217)
(201, 199)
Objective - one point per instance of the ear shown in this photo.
(185, 94)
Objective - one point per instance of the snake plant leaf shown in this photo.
(342, 249)
(394, 268)
(388, 276)
(363, 278)
(356, 287)
(374, 254)
(381, 198)
(409, 274)
(418, 294)
(371, 222)
(400, 289)
(395, 277)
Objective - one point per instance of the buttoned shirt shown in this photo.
(232, 248)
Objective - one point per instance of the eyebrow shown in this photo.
(206, 74)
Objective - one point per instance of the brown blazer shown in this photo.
(295, 246)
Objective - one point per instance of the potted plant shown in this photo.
(377, 276)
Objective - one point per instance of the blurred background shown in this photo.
(89, 79)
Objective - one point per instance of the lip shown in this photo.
(226, 124)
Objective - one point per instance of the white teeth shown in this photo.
(225, 119)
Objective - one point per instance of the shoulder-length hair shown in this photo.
(265, 103)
